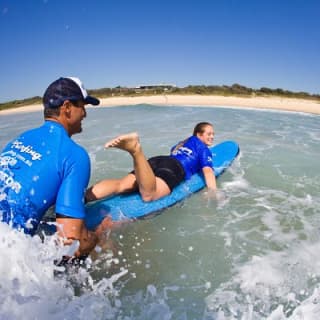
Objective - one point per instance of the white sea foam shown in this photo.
(273, 286)
(30, 290)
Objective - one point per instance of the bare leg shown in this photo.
(150, 187)
(108, 187)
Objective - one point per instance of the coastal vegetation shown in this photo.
(20, 103)
(224, 90)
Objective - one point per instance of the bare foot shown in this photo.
(128, 142)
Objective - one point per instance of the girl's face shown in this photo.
(207, 135)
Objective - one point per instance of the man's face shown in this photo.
(77, 114)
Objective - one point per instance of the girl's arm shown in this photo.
(209, 178)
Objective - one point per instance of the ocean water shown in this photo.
(251, 254)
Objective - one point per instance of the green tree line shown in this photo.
(233, 90)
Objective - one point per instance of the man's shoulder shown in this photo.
(80, 150)
(73, 150)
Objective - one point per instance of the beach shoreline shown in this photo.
(273, 103)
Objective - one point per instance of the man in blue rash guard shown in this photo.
(44, 166)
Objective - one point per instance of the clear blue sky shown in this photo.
(256, 43)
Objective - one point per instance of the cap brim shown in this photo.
(92, 100)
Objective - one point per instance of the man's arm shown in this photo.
(70, 229)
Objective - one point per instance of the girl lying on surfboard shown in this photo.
(156, 177)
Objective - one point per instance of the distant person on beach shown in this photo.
(156, 177)
(44, 167)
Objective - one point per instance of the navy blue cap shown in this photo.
(70, 88)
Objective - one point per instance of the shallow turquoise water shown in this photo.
(251, 255)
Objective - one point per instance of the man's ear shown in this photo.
(66, 108)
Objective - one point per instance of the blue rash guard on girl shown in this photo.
(193, 155)
(40, 168)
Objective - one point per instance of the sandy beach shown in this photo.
(276, 103)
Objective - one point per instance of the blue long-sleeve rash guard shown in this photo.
(40, 168)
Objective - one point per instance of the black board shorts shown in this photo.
(168, 169)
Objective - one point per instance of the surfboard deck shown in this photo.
(131, 206)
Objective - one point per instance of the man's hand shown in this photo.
(70, 229)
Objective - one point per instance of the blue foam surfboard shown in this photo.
(131, 206)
